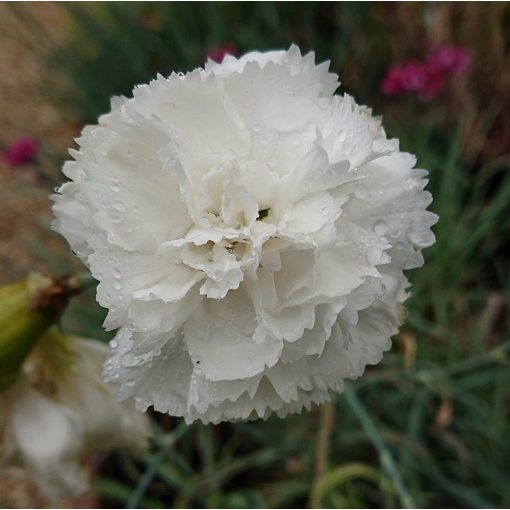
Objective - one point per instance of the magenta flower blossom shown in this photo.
(21, 151)
(218, 53)
(426, 78)
(449, 59)
(409, 77)
(393, 82)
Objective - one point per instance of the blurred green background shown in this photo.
(429, 426)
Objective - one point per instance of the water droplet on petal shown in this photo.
(380, 227)
(118, 206)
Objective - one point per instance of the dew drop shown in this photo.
(115, 185)
(380, 227)
(117, 285)
(113, 344)
(116, 217)
(118, 206)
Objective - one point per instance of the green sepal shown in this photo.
(22, 324)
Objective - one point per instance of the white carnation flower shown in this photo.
(60, 410)
(248, 229)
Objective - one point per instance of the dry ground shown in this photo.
(26, 31)
(25, 239)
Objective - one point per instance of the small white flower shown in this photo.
(59, 410)
(248, 229)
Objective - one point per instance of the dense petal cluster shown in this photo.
(60, 410)
(248, 229)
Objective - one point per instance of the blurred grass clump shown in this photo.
(430, 425)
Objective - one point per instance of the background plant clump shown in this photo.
(429, 426)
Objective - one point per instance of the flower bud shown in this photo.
(27, 309)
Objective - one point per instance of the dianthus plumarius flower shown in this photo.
(249, 230)
(21, 151)
(59, 410)
(427, 78)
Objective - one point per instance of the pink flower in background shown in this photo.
(218, 53)
(449, 59)
(391, 84)
(426, 78)
(409, 77)
(21, 151)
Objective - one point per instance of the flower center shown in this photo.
(263, 213)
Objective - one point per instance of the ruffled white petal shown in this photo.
(48, 438)
(249, 230)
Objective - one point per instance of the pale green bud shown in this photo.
(27, 310)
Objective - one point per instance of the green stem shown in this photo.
(342, 475)
(385, 457)
(322, 449)
(153, 467)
